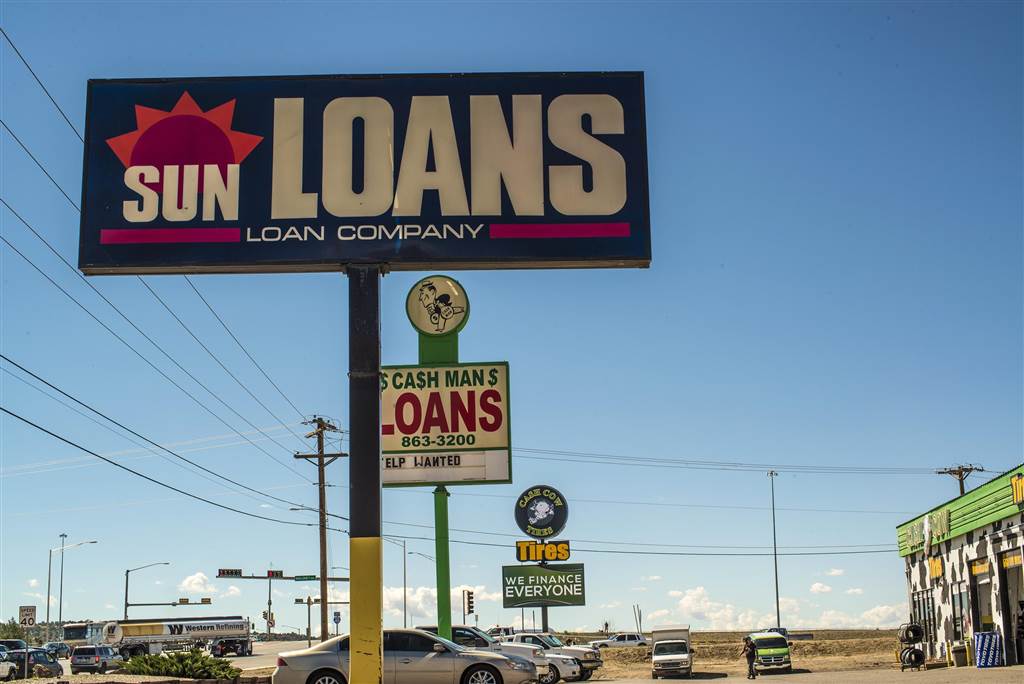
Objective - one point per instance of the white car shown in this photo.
(410, 655)
(621, 640)
(474, 638)
(8, 669)
(587, 658)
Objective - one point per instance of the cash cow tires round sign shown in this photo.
(541, 512)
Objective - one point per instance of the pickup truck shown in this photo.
(623, 639)
(588, 659)
(472, 637)
(671, 655)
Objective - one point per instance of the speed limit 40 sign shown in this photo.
(27, 616)
(445, 424)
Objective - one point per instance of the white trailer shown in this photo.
(671, 652)
(221, 635)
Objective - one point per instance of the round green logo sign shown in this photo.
(437, 305)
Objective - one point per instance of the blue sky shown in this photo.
(836, 213)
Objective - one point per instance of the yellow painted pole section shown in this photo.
(366, 621)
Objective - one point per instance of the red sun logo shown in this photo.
(186, 135)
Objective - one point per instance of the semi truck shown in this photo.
(221, 635)
(671, 653)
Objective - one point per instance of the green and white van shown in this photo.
(772, 651)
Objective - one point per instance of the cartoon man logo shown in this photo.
(439, 306)
(541, 512)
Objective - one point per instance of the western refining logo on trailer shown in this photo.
(313, 173)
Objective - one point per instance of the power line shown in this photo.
(147, 477)
(149, 450)
(137, 352)
(681, 505)
(39, 164)
(664, 553)
(140, 436)
(32, 71)
(57, 185)
(241, 346)
(218, 361)
(652, 462)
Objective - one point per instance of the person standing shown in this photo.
(750, 651)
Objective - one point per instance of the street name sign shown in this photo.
(537, 586)
(316, 173)
(445, 424)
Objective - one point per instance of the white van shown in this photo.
(671, 654)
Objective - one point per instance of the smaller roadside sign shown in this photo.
(533, 551)
(337, 617)
(305, 578)
(26, 616)
(536, 586)
(445, 424)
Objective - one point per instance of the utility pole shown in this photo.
(961, 472)
(775, 550)
(322, 461)
(60, 602)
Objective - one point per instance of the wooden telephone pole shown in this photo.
(961, 472)
(322, 461)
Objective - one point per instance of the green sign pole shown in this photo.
(438, 309)
(438, 350)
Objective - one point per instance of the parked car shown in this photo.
(94, 659)
(38, 657)
(410, 655)
(588, 657)
(13, 644)
(474, 638)
(621, 640)
(772, 651)
(58, 648)
(8, 668)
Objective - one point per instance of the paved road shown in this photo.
(264, 654)
(943, 676)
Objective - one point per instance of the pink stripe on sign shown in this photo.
(138, 236)
(558, 230)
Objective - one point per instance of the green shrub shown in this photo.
(191, 665)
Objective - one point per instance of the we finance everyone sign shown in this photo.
(536, 586)
(271, 174)
(446, 424)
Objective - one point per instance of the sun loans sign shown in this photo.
(300, 174)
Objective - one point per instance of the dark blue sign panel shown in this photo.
(451, 171)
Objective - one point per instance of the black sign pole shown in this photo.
(364, 473)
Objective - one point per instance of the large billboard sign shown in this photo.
(445, 424)
(536, 586)
(454, 171)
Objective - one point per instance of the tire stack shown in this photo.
(911, 655)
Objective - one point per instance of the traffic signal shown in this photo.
(264, 615)
(469, 602)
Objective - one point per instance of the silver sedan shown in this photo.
(410, 657)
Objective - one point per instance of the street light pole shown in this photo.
(49, 574)
(141, 567)
(775, 550)
(405, 589)
(60, 603)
